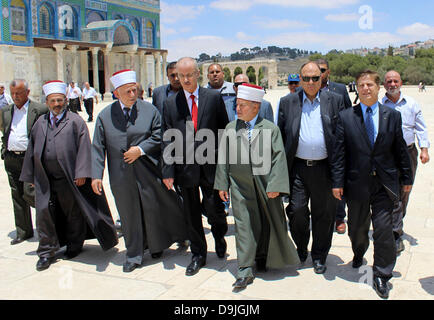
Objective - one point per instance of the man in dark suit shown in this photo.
(191, 109)
(370, 159)
(341, 89)
(162, 93)
(307, 120)
(17, 120)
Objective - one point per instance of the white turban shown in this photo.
(55, 86)
(250, 92)
(123, 77)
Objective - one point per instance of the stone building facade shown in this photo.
(80, 40)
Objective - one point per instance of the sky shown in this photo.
(192, 27)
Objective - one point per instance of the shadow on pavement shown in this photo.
(428, 285)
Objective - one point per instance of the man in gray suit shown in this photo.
(127, 132)
(265, 111)
(17, 120)
(162, 93)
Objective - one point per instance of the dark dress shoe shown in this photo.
(130, 266)
(220, 247)
(319, 267)
(156, 255)
(261, 265)
(19, 240)
(399, 246)
(357, 262)
(195, 265)
(43, 263)
(381, 287)
(241, 283)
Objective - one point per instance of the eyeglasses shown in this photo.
(236, 84)
(323, 70)
(291, 83)
(314, 79)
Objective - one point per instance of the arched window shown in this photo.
(45, 20)
(118, 17)
(93, 17)
(149, 33)
(135, 24)
(68, 21)
(18, 19)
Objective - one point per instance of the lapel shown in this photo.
(8, 116)
(31, 117)
(62, 124)
(324, 105)
(297, 115)
(358, 119)
(45, 124)
(182, 105)
(201, 107)
(382, 123)
(118, 117)
(257, 129)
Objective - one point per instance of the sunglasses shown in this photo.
(314, 79)
(291, 83)
(323, 70)
(236, 84)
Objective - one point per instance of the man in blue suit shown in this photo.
(265, 111)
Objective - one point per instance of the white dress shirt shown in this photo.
(196, 98)
(74, 93)
(18, 139)
(87, 94)
(412, 120)
(311, 142)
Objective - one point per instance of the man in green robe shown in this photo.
(252, 164)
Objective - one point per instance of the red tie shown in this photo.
(194, 112)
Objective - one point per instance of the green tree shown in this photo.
(227, 73)
(251, 73)
(237, 71)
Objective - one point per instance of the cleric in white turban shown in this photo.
(256, 183)
(127, 133)
(57, 163)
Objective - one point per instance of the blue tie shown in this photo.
(369, 124)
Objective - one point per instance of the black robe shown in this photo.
(73, 149)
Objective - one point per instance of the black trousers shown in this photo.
(340, 210)
(88, 104)
(314, 184)
(64, 221)
(377, 209)
(23, 219)
(216, 214)
(74, 105)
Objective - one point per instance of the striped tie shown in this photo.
(248, 126)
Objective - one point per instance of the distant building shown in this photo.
(80, 40)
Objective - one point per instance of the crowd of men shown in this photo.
(319, 149)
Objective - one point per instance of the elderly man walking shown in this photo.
(413, 126)
(256, 190)
(57, 162)
(17, 120)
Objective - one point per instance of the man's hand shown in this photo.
(80, 181)
(132, 155)
(273, 195)
(406, 189)
(97, 186)
(424, 156)
(338, 193)
(224, 195)
(169, 183)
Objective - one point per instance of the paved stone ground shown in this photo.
(98, 275)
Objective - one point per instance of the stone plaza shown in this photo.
(95, 274)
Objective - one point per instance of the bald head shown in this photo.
(310, 72)
(393, 84)
(188, 73)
